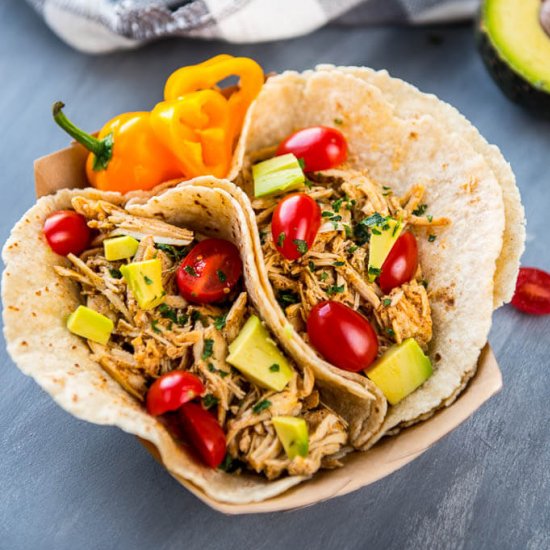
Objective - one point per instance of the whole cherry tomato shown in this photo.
(401, 263)
(320, 147)
(295, 224)
(67, 232)
(342, 336)
(532, 291)
(204, 433)
(171, 391)
(209, 272)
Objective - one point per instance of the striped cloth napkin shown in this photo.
(99, 26)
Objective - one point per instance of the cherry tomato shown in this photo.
(320, 147)
(67, 232)
(210, 271)
(532, 291)
(171, 391)
(295, 224)
(342, 336)
(401, 263)
(204, 433)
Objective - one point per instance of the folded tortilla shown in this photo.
(37, 302)
(468, 267)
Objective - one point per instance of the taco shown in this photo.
(403, 176)
(160, 327)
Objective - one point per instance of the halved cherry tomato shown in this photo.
(401, 263)
(204, 433)
(210, 271)
(295, 224)
(342, 336)
(320, 147)
(67, 232)
(532, 291)
(172, 390)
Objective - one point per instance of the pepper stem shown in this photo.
(102, 149)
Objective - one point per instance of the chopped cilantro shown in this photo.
(115, 273)
(336, 205)
(432, 238)
(374, 272)
(323, 276)
(424, 283)
(386, 302)
(375, 231)
(281, 238)
(230, 465)
(301, 245)
(208, 348)
(338, 121)
(337, 218)
(222, 373)
(154, 326)
(430, 218)
(347, 229)
(335, 289)
(182, 319)
(351, 249)
(308, 183)
(211, 367)
(420, 209)
(261, 406)
(387, 191)
(262, 236)
(147, 280)
(274, 368)
(196, 316)
(302, 163)
(390, 331)
(171, 251)
(373, 220)
(168, 313)
(361, 234)
(311, 265)
(287, 297)
(221, 275)
(219, 322)
(209, 401)
(395, 228)
(338, 264)
(327, 214)
(191, 270)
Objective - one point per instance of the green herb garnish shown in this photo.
(191, 270)
(208, 348)
(219, 322)
(323, 276)
(386, 302)
(327, 214)
(261, 406)
(390, 331)
(302, 163)
(301, 246)
(168, 313)
(274, 368)
(281, 239)
(311, 265)
(374, 272)
(209, 401)
(338, 121)
(287, 297)
(115, 273)
(337, 204)
(432, 238)
(338, 264)
(335, 289)
(148, 281)
(430, 218)
(420, 209)
(373, 220)
(352, 248)
(154, 326)
(221, 275)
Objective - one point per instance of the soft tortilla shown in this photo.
(409, 102)
(37, 301)
(460, 265)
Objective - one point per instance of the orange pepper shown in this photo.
(126, 155)
(209, 73)
(195, 128)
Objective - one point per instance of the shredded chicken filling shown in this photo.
(336, 266)
(181, 335)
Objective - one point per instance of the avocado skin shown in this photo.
(514, 86)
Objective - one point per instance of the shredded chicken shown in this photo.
(336, 266)
(181, 335)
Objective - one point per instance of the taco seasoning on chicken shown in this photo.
(342, 258)
(165, 314)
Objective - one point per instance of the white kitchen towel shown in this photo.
(99, 26)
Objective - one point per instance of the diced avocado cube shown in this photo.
(90, 324)
(257, 357)
(145, 282)
(401, 370)
(277, 175)
(382, 239)
(292, 432)
(120, 248)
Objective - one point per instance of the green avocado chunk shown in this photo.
(382, 239)
(145, 282)
(401, 370)
(120, 248)
(257, 357)
(515, 47)
(292, 432)
(90, 324)
(277, 175)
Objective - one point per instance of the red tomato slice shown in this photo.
(401, 263)
(532, 291)
(67, 232)
(320, 147)
(209, 272)
(342, 336)
(295, 224)
(171, 391)
(204, 433)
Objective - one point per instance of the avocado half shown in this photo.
(513, 37)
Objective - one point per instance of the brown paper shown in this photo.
(65, 168)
